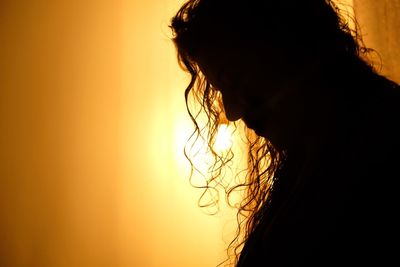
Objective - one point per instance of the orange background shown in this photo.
(92, 127)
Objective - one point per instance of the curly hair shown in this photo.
(304, 29)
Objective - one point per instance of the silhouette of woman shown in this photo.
(297, 75)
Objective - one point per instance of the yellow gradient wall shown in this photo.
(92, 129)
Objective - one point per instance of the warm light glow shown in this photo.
(223, 141)
(196, 149)
(94, 126)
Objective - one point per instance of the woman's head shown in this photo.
(262, 56)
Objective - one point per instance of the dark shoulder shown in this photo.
(380, 120)
(345, 210)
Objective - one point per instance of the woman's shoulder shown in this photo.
(380, 120)
(384, 95)
(345, 208)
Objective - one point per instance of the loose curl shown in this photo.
(318, 29)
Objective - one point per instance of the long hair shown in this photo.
(303, 28)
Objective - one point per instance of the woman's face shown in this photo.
(265, 90)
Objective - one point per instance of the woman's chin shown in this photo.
(280, 140)
(258, 130)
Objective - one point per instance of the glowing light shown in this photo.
(223, 141)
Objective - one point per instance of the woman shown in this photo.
(296, 74)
